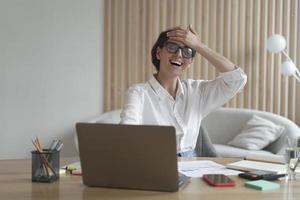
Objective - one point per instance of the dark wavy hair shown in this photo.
(160, 42)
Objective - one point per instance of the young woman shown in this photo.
(166, 100)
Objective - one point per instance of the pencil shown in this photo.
(39, 149)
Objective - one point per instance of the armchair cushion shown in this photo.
(257, 134)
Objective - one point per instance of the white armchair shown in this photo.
(225, 123)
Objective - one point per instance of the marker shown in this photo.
(59, 147)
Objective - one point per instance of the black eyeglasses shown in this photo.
(172, 47)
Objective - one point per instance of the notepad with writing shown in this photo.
(248, 165)
(262, 185)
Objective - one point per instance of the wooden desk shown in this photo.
(15, 183)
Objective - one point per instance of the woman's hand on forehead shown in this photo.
(186, 36)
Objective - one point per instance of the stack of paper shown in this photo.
(199, 167)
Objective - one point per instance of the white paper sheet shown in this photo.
(199, 167)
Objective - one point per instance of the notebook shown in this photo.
(248, 165)
(129, 156)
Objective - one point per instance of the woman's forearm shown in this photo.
(221, 63)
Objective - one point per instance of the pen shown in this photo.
(53, 145)
(59, 147)
(56, 145)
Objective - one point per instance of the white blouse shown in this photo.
(150, 104)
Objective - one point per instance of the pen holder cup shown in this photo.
(292, 157)
(45, 166)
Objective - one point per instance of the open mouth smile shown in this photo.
(177, 63)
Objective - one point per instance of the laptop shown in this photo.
(129, 156)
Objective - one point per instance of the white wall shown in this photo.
(50, 71)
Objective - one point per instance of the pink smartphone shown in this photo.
(219, 180)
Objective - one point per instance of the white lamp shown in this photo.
(276, 44)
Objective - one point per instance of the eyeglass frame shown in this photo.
(181, 48)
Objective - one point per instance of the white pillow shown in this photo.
(257, 134)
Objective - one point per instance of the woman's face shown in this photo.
(174, 58)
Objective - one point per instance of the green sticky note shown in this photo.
(262, 185)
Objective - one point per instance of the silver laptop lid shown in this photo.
(128, 156)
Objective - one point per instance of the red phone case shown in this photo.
(208, 178)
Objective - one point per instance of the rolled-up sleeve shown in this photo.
(235, 79)
(217, 92)
(132, 109)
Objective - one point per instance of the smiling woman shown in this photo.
(166, 100)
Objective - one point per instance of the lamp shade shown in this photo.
(276, 43)
(288, 68)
